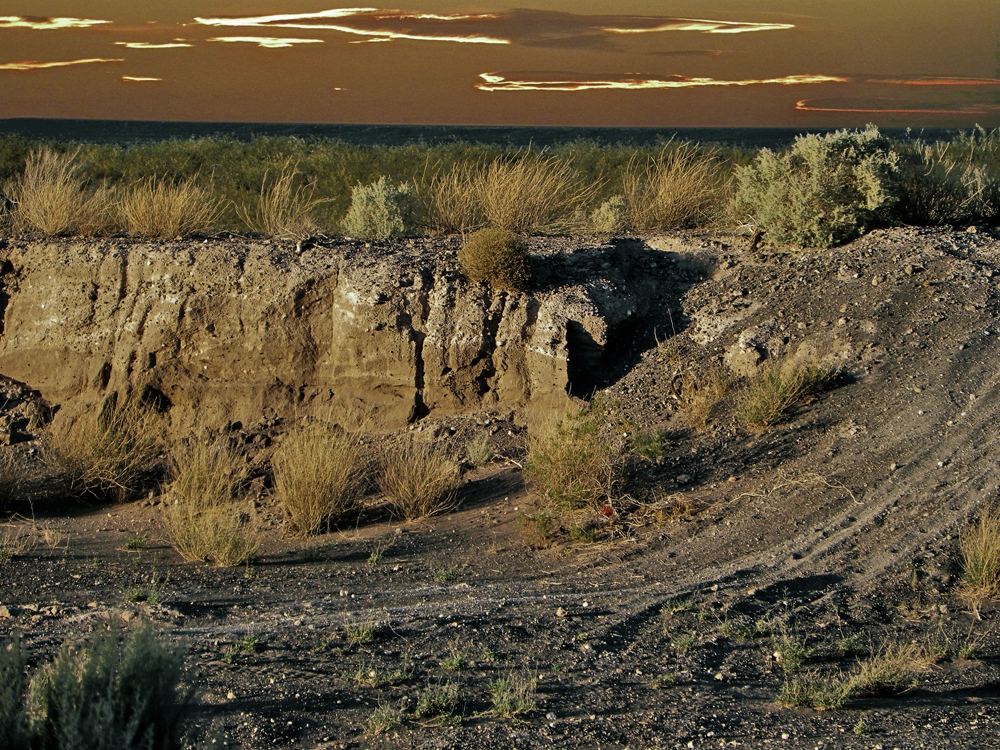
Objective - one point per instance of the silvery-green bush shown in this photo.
(379, 211)
(13, 685)
(611, 216)
(120, 693)
(824, 191)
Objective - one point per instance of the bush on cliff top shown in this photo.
(825, 191)
(496, 256)
(379, 211)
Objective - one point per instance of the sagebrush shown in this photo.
(824, 191)
(379, 211)
(122, 691)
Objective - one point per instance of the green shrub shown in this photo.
(825, 191)
(13, 685)
(117, 693)
(496, 256)
(611, 216)
(378, 211)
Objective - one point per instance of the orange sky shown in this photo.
(589, 62)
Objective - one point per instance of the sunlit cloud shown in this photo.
(519, 26)
(149, 45)
(268, 42)
(381, 15)
(139, 79)
(698, 24)
(31, 65)
(805, 105)
(936, 81)
(495, 82)
(688, 53)
(314, 21)
(42, 23)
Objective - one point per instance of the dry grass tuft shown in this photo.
(112, 451)
(13, 478)
(979, 545)
(776, 388)
(320, 475)
(812, 692)
(890, 672)
(16, 540)
(203, 518)
(160, 210)
(703, 393)
(419, 479)
(572, 465)
(531, 194)
(50, 197)
(284, 210)
(680, 187)
(450, 202)
(512, 696)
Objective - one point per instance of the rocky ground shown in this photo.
(831, 536)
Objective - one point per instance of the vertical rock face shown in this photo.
(372, 337)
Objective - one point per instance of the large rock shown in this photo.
(370, 336)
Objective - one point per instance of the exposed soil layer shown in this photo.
(836, 529)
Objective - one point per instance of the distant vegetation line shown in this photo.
(127, 132)
(287, 185)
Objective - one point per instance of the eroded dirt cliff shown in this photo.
(370, 335)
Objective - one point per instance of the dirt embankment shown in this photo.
(373, 335)
(836, 529)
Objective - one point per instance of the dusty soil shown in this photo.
(837, 527)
